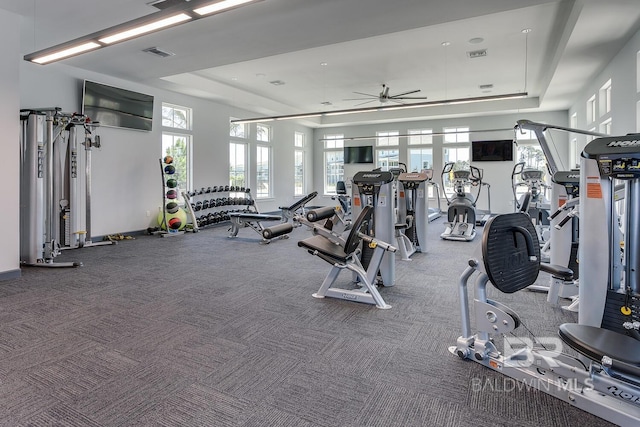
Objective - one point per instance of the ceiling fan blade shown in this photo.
(366, 94)
(405, 93)
(366, 102)
(359, 99)
(408, 97)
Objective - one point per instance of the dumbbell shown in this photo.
(214, 189)
(205, 204)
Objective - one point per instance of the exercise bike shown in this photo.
(461, 213)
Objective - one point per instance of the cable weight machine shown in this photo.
(55, 199)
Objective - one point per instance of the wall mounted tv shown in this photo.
(487, 151)
(112, 106)
(361, 154)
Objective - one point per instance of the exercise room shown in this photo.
(320, 213)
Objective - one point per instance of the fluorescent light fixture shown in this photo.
(355, 111)
(258, 120)
(389, 107)
(179, 13)
(219, 6)
(144, 29)
(65, 53)
(299, 116)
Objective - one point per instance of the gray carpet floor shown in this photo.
(202, 330)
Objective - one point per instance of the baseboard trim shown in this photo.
(10, 275)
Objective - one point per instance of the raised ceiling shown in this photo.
(234, 57)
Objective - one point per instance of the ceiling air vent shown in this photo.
(488, 86)
(277, 82)
(477, 53)
(157, 51)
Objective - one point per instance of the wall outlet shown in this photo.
(148, 214)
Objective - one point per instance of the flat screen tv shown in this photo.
(115, 107)
(488, 151)
(361, 154)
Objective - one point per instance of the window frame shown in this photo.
(269, 194)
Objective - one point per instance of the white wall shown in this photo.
(498, 174)
(10, 125)
(625, 93)
(126, 179)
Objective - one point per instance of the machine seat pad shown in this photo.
(558, 271)
(511, 252)
(595, 343)
(325, 247)
(255, 216)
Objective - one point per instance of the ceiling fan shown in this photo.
(384, 97)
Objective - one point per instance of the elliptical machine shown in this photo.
(538, 205)
(461, 214)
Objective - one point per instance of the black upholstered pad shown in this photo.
(562, 273)
(300, 203)
(595, 343)
(508, 244)
(325, 247)
(256, 217)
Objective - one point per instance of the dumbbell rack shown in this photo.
(212, 205)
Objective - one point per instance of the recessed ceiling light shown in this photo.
(277, 82)
(526, 30)
(446, 44)
(476, 40)
(324, 64)
(326, 103)
(235, 79)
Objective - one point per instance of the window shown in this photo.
(239, 130)
(333, 162)
(263, 171)
(591, 109)
(176, 142)
(386, 139)
(458, 134)
(605, 98)
(263, 133)
(176, 117)
(420, 158)
(298, 164)
(237, 164)
(420, 137)
(178, 147)
(387, 159)
(605, 127)
(525, 135)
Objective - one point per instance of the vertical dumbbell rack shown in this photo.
(212, 205)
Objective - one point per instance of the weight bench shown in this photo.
(254, 220)
(289, 212)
